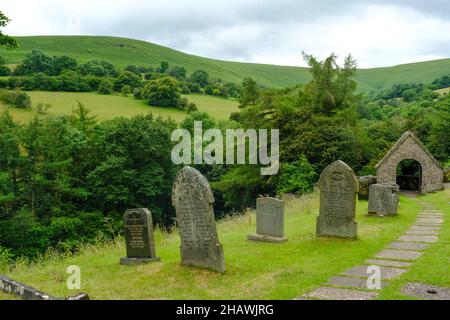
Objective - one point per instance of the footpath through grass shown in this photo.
(434, 266)
(107, 107)
(254, 270)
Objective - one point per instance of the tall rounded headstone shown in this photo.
(338, 186)
(193, 201)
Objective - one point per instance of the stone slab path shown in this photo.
(392, 261)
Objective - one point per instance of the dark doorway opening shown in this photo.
(409, 175)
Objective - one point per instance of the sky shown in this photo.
(376, 33)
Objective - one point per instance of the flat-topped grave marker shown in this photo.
(269, 220)
(338, 186)
(383, 199)
(140, 244)
(193, 201)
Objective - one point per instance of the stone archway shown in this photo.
(409, 147)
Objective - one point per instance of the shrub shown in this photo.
(126, 90)
(296, 177)
(17, 98)
(106, 86)
(162, 92)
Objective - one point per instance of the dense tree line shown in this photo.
(39, 71)
(66, 180)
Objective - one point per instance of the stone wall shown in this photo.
(408, 147)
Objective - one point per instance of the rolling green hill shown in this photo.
(122, 52)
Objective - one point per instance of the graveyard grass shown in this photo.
(255, 270)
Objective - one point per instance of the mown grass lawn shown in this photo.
(254, 270)
(107, 107)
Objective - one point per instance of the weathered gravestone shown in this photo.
(193, 201)
(364, 184)
(338, 187)
(139, 237)
(383, 199)
(269, 220)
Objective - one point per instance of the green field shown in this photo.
(107, 107)
(254, 270)
(122, 52)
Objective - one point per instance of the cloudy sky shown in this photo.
(376, 33)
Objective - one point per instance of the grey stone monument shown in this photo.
(269, 220)
(193, 201)
(139, 237)
(383, 199)
(338, 187)
(364, 184)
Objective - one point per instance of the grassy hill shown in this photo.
(122, 52)
(255, 270)
(107, 107)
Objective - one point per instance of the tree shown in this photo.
(250, 93)
(127, 78)
(5, 40)
(162, 92)
(200, 77)
(106, 87)
(98, 68)
(163, 67)
(177, 72)
(34, 62)
(126, 90)
(62, 63)
(332, 87)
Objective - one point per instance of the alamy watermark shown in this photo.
(235, 140)
(74, 280)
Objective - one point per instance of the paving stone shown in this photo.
(351, 282)
(422, 232)
(426, 291)
(386, 272)
(388, 263)
(329, 293)
(408, 245)
(399, 254)
(429, 228)
(430, 216)
(427, 239)
(430, 220)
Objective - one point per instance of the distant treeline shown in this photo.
(160, 86)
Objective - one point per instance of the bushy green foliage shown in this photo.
(297, 177)
(163, 92)
(16, 98)
(66, 180)
(106, 86)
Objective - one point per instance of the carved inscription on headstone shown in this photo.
(193, 201)
(139, 240)
(338, 186)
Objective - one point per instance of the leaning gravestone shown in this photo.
(269, 220)
(139, 237)
(338, 187)
(383, 199)
(193, 201)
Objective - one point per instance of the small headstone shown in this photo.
(364, 184)
(193, 201)
(139, 239)
(383, 199)
(269, 220)
(338, 187)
